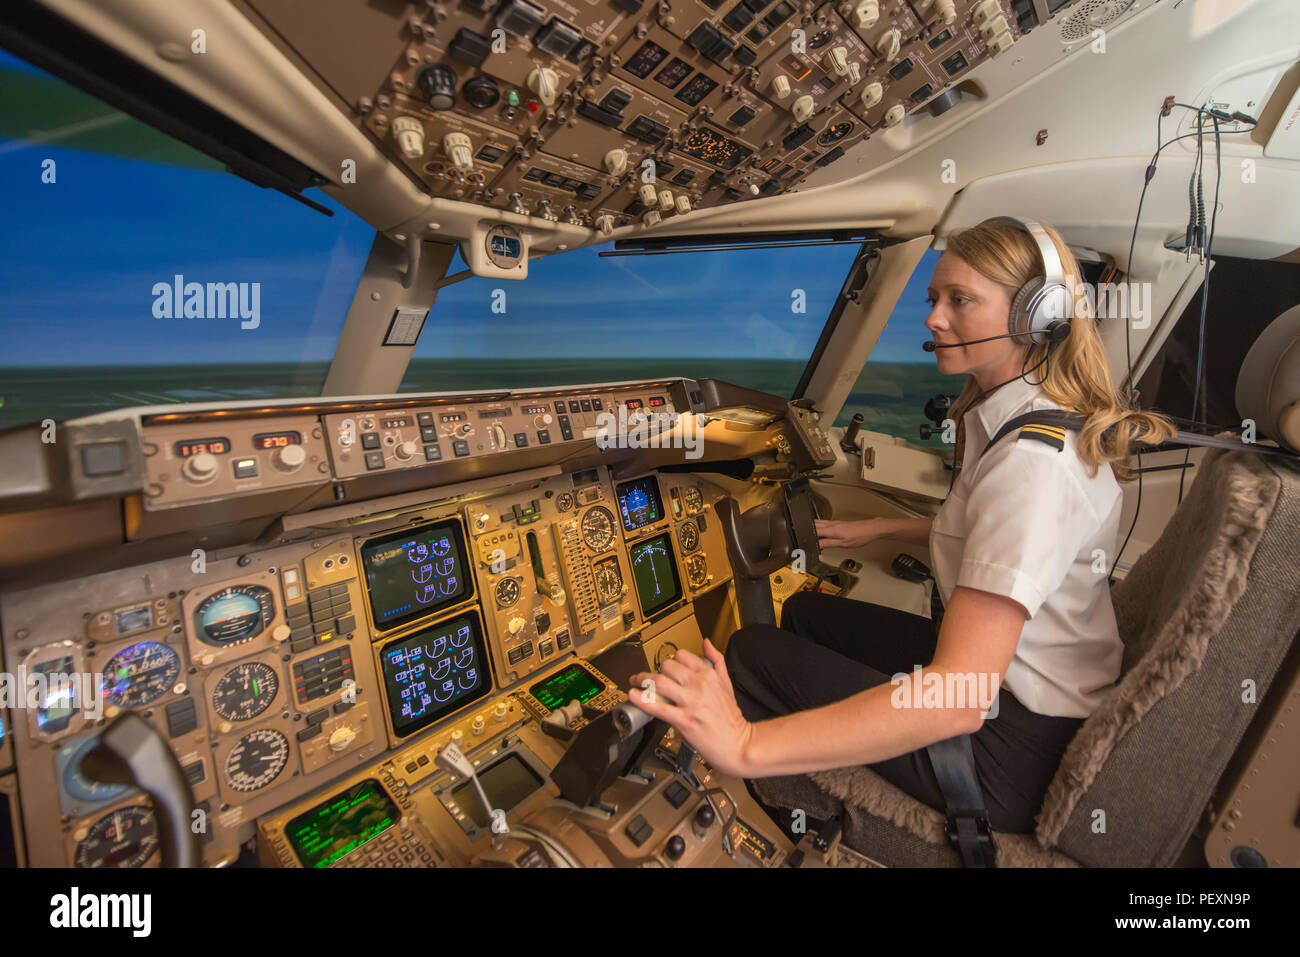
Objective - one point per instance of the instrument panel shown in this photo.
(619, 111)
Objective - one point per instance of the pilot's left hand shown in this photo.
(701, 704)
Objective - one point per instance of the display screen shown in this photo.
(276, 440)
(674, 73)
(340, 825)
(414, 573)
(507, 784)
(198, 446)
(564, 686)
(639, 503)
(133, 619)
(697, 89)
(434, 671)
(645, 59)
(714, 148)
(56, 707)
(655, 572)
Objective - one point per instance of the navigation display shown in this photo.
(655, 572)
(639, 503)
(340, 825)
(415, 572)
(432, 672)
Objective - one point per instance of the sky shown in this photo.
(79, 259)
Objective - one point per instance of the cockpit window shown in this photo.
(135, 270)
(899, 378)
(749, 316)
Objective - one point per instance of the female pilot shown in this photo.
(1021, 551)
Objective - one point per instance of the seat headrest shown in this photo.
(1268, 386)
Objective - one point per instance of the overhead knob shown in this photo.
(405, 450)
(866, 13)
(409, 133)
(871, 95)
(855, 73)
(894, 115)
(458, 147)
(837, 60)
(438, 84)
(616, 162)
(888, 45)
(802, 108)
(200, 468)
(780, 86)
(947, 11)
(517, 203)
(753, 188)
(481, 92)
(340, 738)
(676, 848)
(683, 204)
(605, 223)
(498, 433)
(466, 429)
(544, 82)
(648, 195)
(289, 459)
(666, 201)
(651, 217)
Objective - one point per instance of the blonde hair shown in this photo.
(1076, 376)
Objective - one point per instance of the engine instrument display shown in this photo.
(714, 148)
(434, 671)
(234, 615)
(127, 837)
(598, 528)
(507, 784)
(689, 535)
(564, 686)
(338, 826)
(639, 503)
(140, 674)
(257, 760)
(415, 572)
(245, 691)
(655, 573)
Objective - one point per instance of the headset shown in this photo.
(1043, 306)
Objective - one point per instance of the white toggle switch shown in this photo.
(837, 61)
(648, 195)
(409, 133)
(457, 146)
(855, 73)
(683, 204)
(888, 45)
(753, 189)
(780, 86)
(544, 82)
(866, 13)
(894, 115)
(871, 95)
(666, 201)
(616, 162)
(802, 108)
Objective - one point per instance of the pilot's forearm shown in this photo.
(862, 729)
(914, 531)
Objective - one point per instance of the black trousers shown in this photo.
(829, 648)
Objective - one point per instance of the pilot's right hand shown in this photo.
(835, 534)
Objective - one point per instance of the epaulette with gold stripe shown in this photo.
(1053, 435)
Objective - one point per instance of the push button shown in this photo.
(370, 440)
(374, 460)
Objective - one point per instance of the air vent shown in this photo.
(1090, 15)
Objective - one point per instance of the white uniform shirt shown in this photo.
(1026, 522)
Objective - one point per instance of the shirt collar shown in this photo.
(1005, 402)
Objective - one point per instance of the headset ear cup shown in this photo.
(1020, 319)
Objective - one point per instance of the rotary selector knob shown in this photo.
(666, 201)
(281, 632)
(481, 92)
(457, 146)
(499, 712)
(499, 434)
(683, 204)
(947, 11)
(466, 429)
(780, 86)
(648, 195)
(866, 13)
(894, 115)
(289, 459)
(438, 84)
(605, 223)
(476, 726)
(516, 625)
(340, 738)
(871, 95)
(200, 468)
(406, 450)
(409, 133)
(457, 736)
(802, 108)
(616, 162)
(544, 82)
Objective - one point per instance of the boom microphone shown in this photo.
(931, 346)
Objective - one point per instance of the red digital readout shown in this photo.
(193, 447)
(276, 440)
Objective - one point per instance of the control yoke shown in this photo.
(131, 751)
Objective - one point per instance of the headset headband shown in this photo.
(1054, 272)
